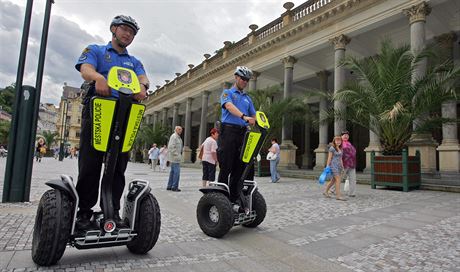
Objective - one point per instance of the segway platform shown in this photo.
(216, 215)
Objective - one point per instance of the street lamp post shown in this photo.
(63, 129)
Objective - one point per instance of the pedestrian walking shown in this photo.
(175, 146)
(349, 163)
(154, 153)
(163, 157)
(334, 161)
(274, 151)
(209, 159)
(40, 150)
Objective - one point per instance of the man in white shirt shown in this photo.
(209, 159)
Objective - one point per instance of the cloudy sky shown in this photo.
(173, 33)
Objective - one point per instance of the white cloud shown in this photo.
(173, 34)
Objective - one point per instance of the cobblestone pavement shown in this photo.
(379, 230)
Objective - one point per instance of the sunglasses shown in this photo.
(244, 78)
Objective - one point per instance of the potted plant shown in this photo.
(386, 99)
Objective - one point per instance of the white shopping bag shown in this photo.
(346, 187)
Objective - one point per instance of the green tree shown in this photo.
(148, 135)
(386, 100)
(4, 131)
(50, 137)
(7, 98)
(293, 109)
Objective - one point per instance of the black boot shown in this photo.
(121, 223)
(84, 221)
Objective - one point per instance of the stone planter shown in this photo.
(396, 171)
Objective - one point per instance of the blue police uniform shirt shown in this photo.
(241, 100)
(104, 57)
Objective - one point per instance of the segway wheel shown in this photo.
(260, 207)
(214, 214)
(147, 226)
(52, 227)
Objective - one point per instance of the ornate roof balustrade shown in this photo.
(288, 24)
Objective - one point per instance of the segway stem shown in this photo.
(254, 154)
(116, 137)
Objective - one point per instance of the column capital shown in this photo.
(340, 41)
(255, 75)
(324, 74)
(165, 108)
(289, 61)
(446, 40)
(189, 100)
(417, 12)
(206, 93)
(176, 105)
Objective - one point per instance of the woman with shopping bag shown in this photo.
(334, 161)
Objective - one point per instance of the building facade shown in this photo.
(301, 50)
(68, 123)
(47, 118)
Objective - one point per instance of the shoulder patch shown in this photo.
(83, 55)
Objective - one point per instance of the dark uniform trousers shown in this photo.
(230, 142)
(89, 169)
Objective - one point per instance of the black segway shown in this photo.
(115, 124)
(215, 213)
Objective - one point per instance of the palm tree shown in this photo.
(148, 134)
(386, 99)
(49, 137)
(293, 109)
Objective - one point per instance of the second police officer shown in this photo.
(237, 113)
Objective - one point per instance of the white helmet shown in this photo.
(243, 71)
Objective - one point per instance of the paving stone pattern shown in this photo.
(379, 230)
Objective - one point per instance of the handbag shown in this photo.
(346, 187)
(271, 156)
(325, 175)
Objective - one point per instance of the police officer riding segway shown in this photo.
(110, 120)
(235, 199)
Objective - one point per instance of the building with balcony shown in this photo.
(301, 50)
(68, 123)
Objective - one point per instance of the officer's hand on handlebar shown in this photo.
(102, 88)
(140, 96)
(250, 120)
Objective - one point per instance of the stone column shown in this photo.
(306, 157)
(253, 81)
(321, 150)
(288, 149)
(203, 120)
(422, 142)
(147, 119)
(175, 120)
(449, 150)
(155, 118)
(374, 145)
(187, 158)
(164, 116)
(340, 43)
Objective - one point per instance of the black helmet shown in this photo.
(243, 71)
(125, 20)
